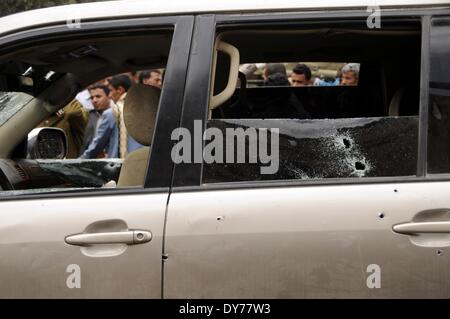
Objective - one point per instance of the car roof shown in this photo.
(139, 8)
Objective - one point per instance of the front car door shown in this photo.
(104, 242)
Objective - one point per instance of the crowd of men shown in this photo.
(285, 104)
(275, 74)
(94, 122)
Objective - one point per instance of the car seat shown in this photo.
(140, 108)
(405, 101)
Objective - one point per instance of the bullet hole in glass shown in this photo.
(347, 143)
(360, 166)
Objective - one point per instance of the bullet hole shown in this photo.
(395, 191)
(360, 166)
(165, 256)
(381, 215)
(219, 217)
(347, 143)
(439, 252)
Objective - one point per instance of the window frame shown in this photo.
(159, 173)
(188, 177)
(432, 87)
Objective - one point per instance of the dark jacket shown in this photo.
(72, 119)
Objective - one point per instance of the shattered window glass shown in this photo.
(439, 103)
(324, 148)
(11, 103)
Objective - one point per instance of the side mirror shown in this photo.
(47, 143)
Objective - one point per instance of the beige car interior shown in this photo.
(140, 109)
(78, 63)
(233, 53)
(13, 131)
(394, 106)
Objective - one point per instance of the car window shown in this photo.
(354, 113)
(439, 101)
(98, 135)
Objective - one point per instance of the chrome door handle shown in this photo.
(130, 237)
(425, 227)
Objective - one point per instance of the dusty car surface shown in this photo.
(333, 184)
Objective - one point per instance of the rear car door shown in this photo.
(104, 242)
(380, 231)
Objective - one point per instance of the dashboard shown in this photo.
(25, 174)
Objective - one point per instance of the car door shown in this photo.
(231, 235)
(98, 243)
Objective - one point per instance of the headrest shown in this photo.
(140, 107)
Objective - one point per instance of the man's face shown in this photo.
(99, 99)
(153, 80)
(115, 93)
(299, 80)
(349, 78)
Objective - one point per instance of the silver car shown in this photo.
(294, 150)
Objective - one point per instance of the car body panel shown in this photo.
(36, 261)
(304, 242)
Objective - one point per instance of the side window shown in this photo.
(351, 113)
(87, 118)
(439, 102)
